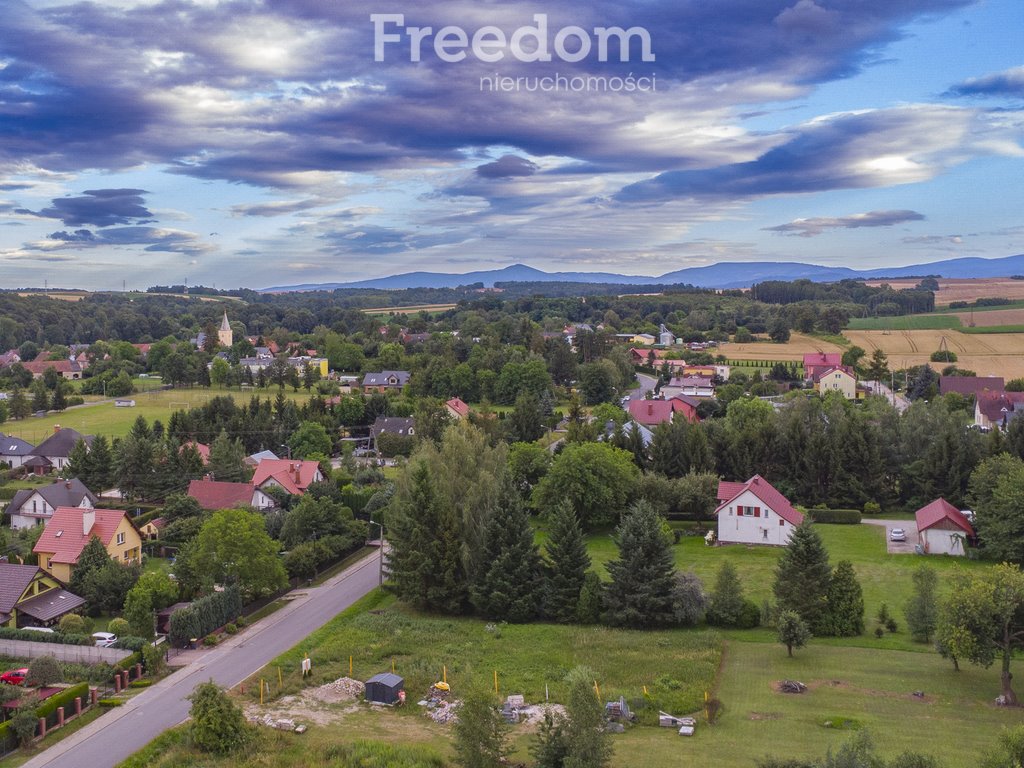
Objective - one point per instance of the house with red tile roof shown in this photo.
(457, 408)
(294, 476)
(69, 529)
(650, 413)
(816, 362)
(68, 369)
(994, 409)
(216, 494)
(969, 386)
(942, 529)
(755, 512)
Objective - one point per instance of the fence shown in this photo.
(83, 654)
(59, 717)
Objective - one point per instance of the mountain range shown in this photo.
(721, 275)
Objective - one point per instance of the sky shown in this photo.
(271, 143)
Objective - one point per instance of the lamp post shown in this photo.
(380, 567)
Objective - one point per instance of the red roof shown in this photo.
(819, 373)
(458, 406)
(938, 511)
(61, 366)
(653, 412)
(202, 450)
(292, 475)
(817, 359)
(970, 385)
(763, 490)
(213, 494)
(998, 406)
(65, 537)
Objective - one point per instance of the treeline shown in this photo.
(880, 300)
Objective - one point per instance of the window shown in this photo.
(748, 511)
(781, 521)
(120, 538)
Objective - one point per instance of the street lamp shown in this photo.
(380, 568)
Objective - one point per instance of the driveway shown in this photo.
(898, 547)
(125, 730)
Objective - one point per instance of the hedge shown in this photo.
(130, 643)
(204, 616)
(835, 516)
(64, 699)
(7, 633)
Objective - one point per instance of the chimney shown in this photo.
(298, 473)
(650, 409)
(88, 520)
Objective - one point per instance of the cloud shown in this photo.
(1009, 82)
(815, 226)
(100, 208)
(152, 238)
(506, 167)
(275, 208)
(933, 240)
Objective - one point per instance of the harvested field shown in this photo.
(412, 310)
(992, 317)
(987, 355)
(795, 349)
(967, 289)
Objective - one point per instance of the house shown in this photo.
(57, 447)
(691, 386)
(70, 529)
(202, 450)
(629, 428)
(970, 386)
(706, 371)
(836, 379)
(385, 381)
(293, 476)
(14, 451)
(754, 512)
(457, 409)
(644, 339)
(656, 358)
(391, 425)
(10, 357)
(30, 597)
(995, 409)
(942, 529)
(650, 413)
(34, 506)
(256, 458)
(215, 494)
(816, 362)
(150, 531)
(68, 369)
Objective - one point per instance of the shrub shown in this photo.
(24, 724)
(204, 615)
(44, 637)
(130, 643)
(872, 508)
(879, 633)
(943, 356)
(72, 624)
(750, 616)
(63, 699)
(835, 516)
(218, 724)
(140, 683)
(891, 624)
(153, 659)
(119, 627)
(210, 640)
(110, 702)
(45, 671)
(231, 629)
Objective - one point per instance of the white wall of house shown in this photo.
(747, 520)
(14, 461)
(838, 381)
(941, 541)
(260, 500)
(35, 511)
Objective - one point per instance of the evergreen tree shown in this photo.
(59, 401)
(507, 587)
(227, 460)
(802, 578)
(922, 609)
(94, 556)
(134, 464)
(100, 465)
(19, 404)
(726, 609)
(140, 428)
(78, 463)
(40, 397)
(845, 602)
(217, 724)
(425, 562)
(642, 578)
(792, 630)
(188, 463)
(567, 565)
(550, 746)
(588, 742)
(526, 422)
(480, 733)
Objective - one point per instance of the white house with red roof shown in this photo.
(650, 413)
(839, 378)
(818, 362)
(754, 512)
(457, 409)
(293, 476)
(942, 529)
(218, 494)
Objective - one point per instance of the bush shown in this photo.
(872, 508)
(943, 356)
(835, 516)
(63, 699)
(44, 637)
(210, 640)
(110, 702)
(24, 724)
(204, 616)
(45, 671)
(72, 624)
(119, 627)
(218, 724)
(140, 683)
(153, 659)
(231, 629)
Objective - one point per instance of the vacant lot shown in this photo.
(999, 354)
(795, 349)
(966, 289)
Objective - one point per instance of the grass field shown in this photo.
(106, 419)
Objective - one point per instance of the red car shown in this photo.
(14, 676)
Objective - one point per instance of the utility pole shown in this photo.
(380, 565)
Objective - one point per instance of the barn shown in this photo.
(385, 688)
(942, 529)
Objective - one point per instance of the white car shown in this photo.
(897, 534)
(104, 639)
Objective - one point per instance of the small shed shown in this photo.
(384, 688)
(943, 529)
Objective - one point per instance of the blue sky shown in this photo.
(259, 143)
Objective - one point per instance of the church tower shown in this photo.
(224, 334)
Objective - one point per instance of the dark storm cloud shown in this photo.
(506, 167)
(100, 208)
(818, 225)
(1009, 82)
(152, 238)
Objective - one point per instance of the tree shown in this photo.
(152, 592)
(689, 601)
(982, 620)
(227, 460)
(134, 465)
(526, 422)
(1009, 753)
(93, 557)
(45, 671)
(567, 565)
(20, 407)
(59, 402)
(726, 609)
(507, 588)
(100, 465)
(597, 479)
(310, 438)
(587, 741)
(779, 330)
(233, 547)
(597, 383)
(71, 624)
(550, 746)
(24, 723)
(845, 602)
(802, 578)
(314, 518)
(878, 369)
(642, 578)
(480, 733)
(218, 724)
(922, 608)
(527, 464)
(792, 631)
(219, 371)
(997, 491)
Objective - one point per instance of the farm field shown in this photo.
(409, 310)
(999, 354)
(965, 289)
(106, 419)
(795, 349)
(991, 317)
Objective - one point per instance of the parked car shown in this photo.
(897, 534)
(104, 639)
(14, 676)
(38, 629)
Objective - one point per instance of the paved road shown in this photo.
(118, 734)
(899, 402)
(646, 382)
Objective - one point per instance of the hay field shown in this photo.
(966, 289)
(409, 310)
(795, 349)
(988, 355)
(992, 317)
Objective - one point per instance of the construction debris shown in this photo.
(618, 711)
(792, 686)
(534, 714)
(444, 711)
(342, 689)
(283, 724)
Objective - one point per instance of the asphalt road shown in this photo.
(120, 733)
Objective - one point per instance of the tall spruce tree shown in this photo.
(845, 602)
(94, 557)
(78, 463)
(100, 465)
(922, 609)
(567, 565)
(507, 587)
(425, 561)
(227, 460)
(802, 578)
(643, 577)
(726, 609)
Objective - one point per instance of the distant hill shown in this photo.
(721, 275)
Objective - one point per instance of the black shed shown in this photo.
(384, 688)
